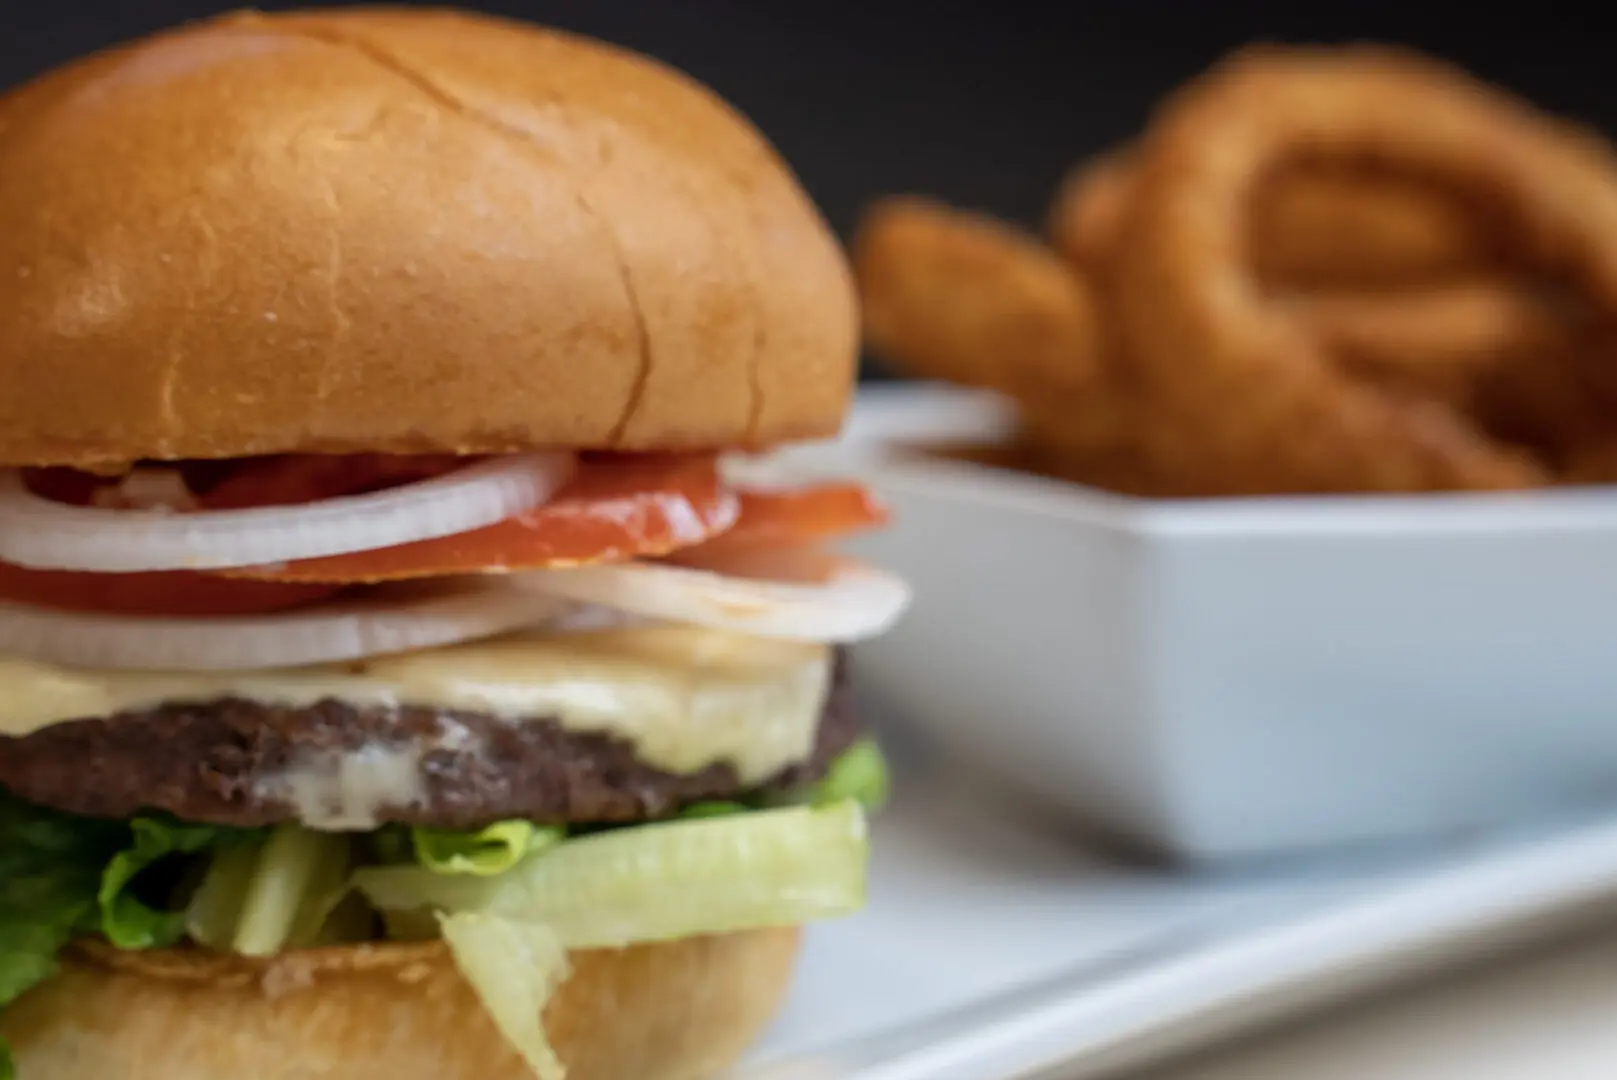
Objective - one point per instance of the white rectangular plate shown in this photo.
(995, 947)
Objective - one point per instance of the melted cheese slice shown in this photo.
(683, 696)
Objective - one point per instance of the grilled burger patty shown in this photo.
(335, 765)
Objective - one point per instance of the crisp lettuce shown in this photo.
(514, 966)
(509, 933)
(272, 894)
(128, 920)
(859, 773)
(485, 852)
(49, 874)
(714, 809)
(148, 882)
(63, 876)
(660, 881)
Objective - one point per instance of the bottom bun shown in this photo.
(675, 1011)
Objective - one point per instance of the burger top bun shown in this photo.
(676, 1011)
(401, 231)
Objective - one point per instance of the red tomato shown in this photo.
(177, 592)
(803, 515)
(614, 508)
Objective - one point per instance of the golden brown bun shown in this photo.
(674, 1011)
(402, 231)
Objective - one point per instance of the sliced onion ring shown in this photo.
(834, 599)
(390, 620)
(39, 533)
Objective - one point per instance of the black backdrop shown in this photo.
(981, 103)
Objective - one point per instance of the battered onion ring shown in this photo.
(1258, 386)
(952, 295)
(1437, 340)
(1089, 208)
(961, 297)
(1561, 402)
(1321, 226)
(1314, 225)
(1594, 462)
(1396, 279)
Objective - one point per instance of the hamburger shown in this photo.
(397, 676)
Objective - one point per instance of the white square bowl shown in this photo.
(1216, 679)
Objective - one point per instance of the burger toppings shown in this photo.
(41, 532)
(527, 704)
(510, 932)
(614, 508)
(651, 535)
(509, 899)
(159, 592)
(372, 623)
(799, 595)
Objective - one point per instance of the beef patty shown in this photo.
(227, 762)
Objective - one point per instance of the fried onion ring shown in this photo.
(960, 297)
(1321, 226)
(1314, 225)
(1090, 206)
(1257, 385)
(1438, 340)
(956, 296)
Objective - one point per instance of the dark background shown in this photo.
(983, 103)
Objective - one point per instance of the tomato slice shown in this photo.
(176, 592)
(801, 516)
(614, 508)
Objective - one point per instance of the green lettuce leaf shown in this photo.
(63, 876)
(484, 852)
(661, 881)
(859, 773)
(50, 871)
(509, 933)
(514, 967)
(299, 876)
(127, 920)
(149, 882)
(714, 809)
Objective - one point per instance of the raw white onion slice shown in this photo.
(389, 620)
(805, 597)
(47, 535)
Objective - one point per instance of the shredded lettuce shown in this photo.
(486, 852)
(128, 920)
(509, 933)
(514, 966)
(272, 894)
(215, 909)
(300, 876)
(50, 871)
(859, 773)
(661, 881)
(64, 876)
(714, 809)
(508, 898)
